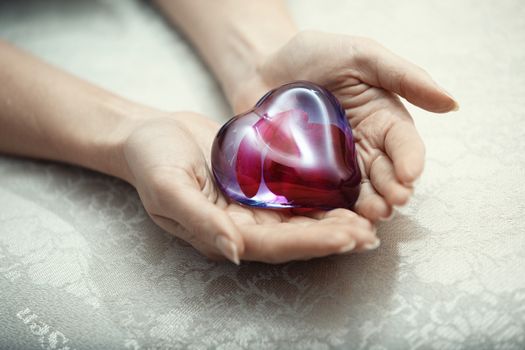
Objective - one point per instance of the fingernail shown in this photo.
(371, 246)
(228, 248)
(456, 104)
(350, 246)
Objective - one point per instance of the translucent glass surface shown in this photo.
(294, 149)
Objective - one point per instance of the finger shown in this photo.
(177, 230)
(278, 243)
(380, 67)
(343, 216)
(370, 204)
(184, 202)
(383, 178)
(406, 149)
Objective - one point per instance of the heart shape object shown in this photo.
(294, 149)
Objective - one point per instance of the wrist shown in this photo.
(250, 49)
(104, 152)
(234, 37)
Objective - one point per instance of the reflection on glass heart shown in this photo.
(294, 149)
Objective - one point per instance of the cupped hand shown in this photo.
(168, 161)
(367, 79)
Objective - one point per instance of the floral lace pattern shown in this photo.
(83, 267)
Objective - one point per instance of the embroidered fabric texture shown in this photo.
(83, 267)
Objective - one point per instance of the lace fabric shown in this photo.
(83, 267)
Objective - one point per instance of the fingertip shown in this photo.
(348, 248)
(227, 229)
(389, 217)
(370, 204)
(386, 182)
(228, 248)
(400, 195)
(406, 149)
(437, 100)
(408, 173)
(370, 245)
(338, 241)
(385, 212)
(381, 67)
(374, 209)
(409, 162)
(448, 104)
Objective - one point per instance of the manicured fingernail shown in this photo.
(371, 246)
(350, 246)
(456, 104)
(228, 248)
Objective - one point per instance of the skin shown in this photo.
(165, 156)
(365, 77)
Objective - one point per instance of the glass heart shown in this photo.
(294, 149)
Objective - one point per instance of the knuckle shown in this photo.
(365, 51)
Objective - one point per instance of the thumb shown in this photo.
(191, 208)
(380, 67)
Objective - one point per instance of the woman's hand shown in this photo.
(168, 163)
(249, 57)
(165, 156)
(367, 79)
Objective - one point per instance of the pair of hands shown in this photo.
(169, 157)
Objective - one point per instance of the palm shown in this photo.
(373, 113)
(366, 79)
(169, 159)
(279, 235)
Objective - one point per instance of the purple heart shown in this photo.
(294, 149)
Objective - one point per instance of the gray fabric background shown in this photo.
(82, 266)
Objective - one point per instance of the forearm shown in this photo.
(46, 113)
(233, 36)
